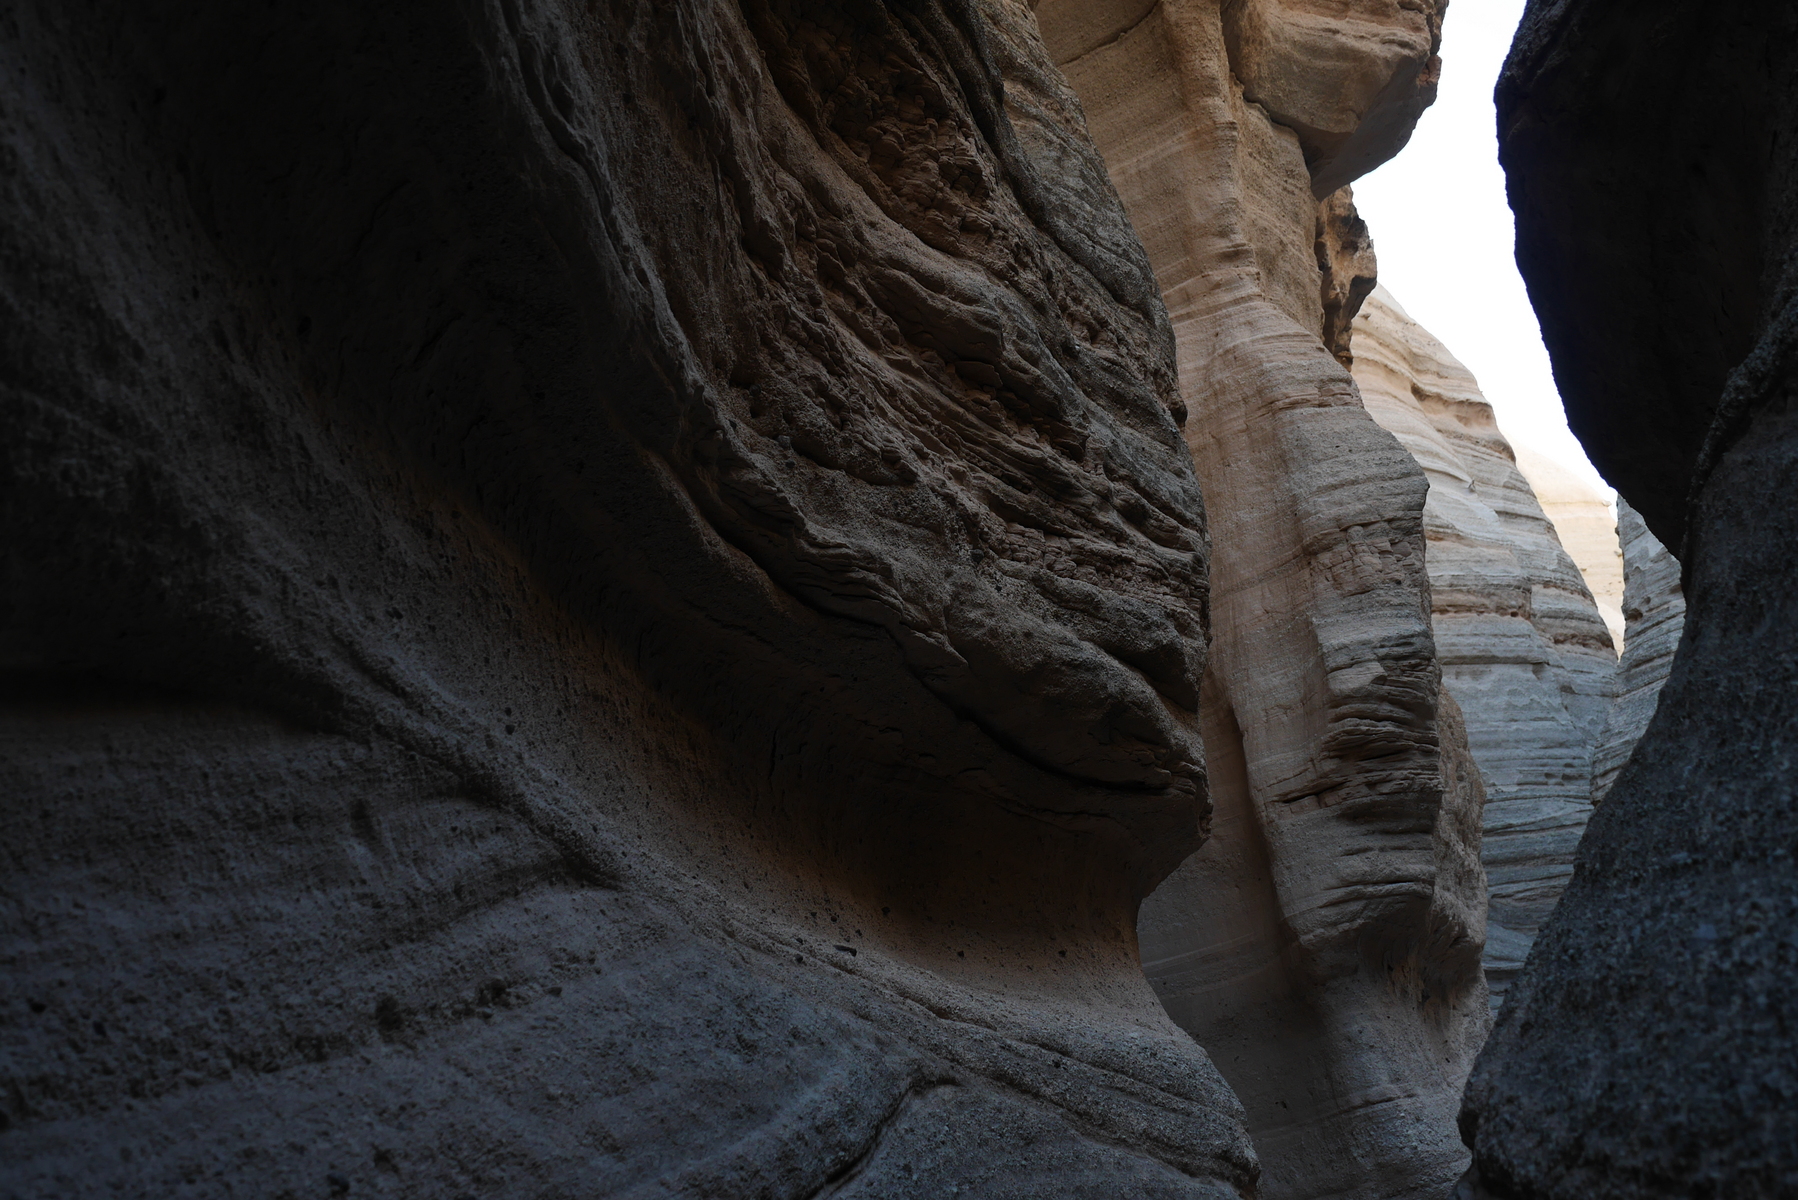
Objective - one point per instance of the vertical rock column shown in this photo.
(1325, 944)
(1654, 611)
(1524, 649)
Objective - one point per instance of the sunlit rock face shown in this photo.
(1648, 1048)
(1523, 647)
(608, 601)
(1324, 946)
(1655, 608)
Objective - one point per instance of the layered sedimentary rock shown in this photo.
(1655, 609)
(1648, 1048)
(1325, 943)
(1586, 525)
(608, 601)
(1523, 648)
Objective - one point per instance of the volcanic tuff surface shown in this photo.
(599, 601)
(1523, 648)
(1648, 1048)
(1324, 946)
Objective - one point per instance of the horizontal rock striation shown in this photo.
(1647, 1049)
(600, 601)
(1523, 648)
(1324, 946)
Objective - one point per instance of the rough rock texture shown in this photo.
(1523, 649)
(1655, 609)
(1349, 77)
(1587, 527)
(1650, 1047)
(1349, 268)
(606, 600)
(1325, 944)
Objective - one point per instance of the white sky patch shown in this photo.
(1443, 234)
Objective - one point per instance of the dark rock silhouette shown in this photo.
(1649, 1048)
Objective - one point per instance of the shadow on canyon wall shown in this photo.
(612, 599)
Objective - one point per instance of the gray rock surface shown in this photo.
(1324, 945)
(598, 601)
(1655, 609)
(1523, 647)
(1650, 1046)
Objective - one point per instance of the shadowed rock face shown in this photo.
(597, 598)
(1522, 645)
(1324, 946)
(1647, 1049)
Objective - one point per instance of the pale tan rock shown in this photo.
(1586, 524)
(1522, 644)
(1348, 266)
(1324, 944)
(1350, 77)
(1654, 605)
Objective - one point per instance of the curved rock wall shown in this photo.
(599, 601)
(1647, 1049)
(1524, 650)
(1325, 943)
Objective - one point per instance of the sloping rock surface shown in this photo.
(598, 601)
(1325, 944)
(1523, 648)
(1650, 1046)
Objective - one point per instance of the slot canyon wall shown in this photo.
(1324, 945)
(796, 598)
(613, 600)
(1648, 1047)
(600, 600)
(1524, 650)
